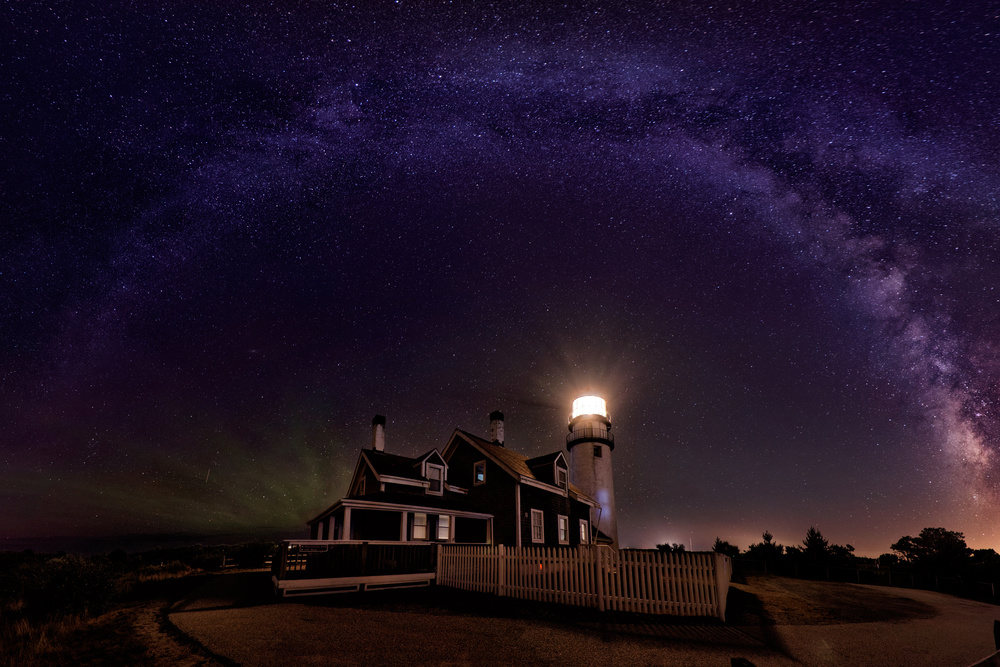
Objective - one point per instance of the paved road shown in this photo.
(232, 617)
(960, 634)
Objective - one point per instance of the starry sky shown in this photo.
(765, 232)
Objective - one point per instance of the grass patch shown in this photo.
(770, 600)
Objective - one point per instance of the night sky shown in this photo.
(768, 235)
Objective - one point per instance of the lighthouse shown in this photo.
(590, 442)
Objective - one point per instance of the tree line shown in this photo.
(935, 551)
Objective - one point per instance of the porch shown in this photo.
(318, 567)
(394, 518)
(677, 584)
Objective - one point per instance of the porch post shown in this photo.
(282, 556)
(347, 523)
(404, 515)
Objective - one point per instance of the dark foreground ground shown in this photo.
(231, 619)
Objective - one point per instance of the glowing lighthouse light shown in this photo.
(590, 405)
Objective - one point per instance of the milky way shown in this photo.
(768, 237)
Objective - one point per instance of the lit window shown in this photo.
(561, 478)
(584, 532)
(479, 472)
(444, 527)
(420, 526)
(537, 526)
(434, 474)
(563, 523)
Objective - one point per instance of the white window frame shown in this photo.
(584, 531)
(440, 469)
(562, 529)
(419, 531)
(475, 476)
(562, 477)
(537, 526)
(444, 521)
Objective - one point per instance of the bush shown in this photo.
(68, 585)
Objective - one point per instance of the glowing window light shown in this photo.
(590, 405)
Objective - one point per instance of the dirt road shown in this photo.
(781, 622)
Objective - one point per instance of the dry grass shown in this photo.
(69, 640)
(133, 633)
(769, 600)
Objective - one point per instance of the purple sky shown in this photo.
(768, 237)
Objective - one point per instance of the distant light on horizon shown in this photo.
(590, 405)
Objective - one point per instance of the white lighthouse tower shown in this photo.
(590, 442)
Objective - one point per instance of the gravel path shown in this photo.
(233, 618)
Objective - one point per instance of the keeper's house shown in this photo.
(476, 491)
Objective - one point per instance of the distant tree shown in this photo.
(935, 550)
(985, 565)
(841, 554)
(986, 557)
(888, 561)
(817, 547)
(725, 548)
(768, 550)
(675, 547)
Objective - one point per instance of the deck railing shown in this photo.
(652, 582)
(314, 559)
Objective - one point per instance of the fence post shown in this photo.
(721, 585)
(437, 565)
(599, 573)
(501, 571)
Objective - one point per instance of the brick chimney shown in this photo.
(496, 427)
(378, 433)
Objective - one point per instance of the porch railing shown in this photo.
(314, 559)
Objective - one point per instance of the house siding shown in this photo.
(371, 483)
(498, 496)
(552, 505)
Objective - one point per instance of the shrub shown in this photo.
(68, 585)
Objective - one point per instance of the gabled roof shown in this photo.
(393, 465)
(517, 465)
(547, 459)
(429, 456)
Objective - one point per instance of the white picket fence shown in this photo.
(651, 582)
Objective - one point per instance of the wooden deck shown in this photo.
(319, 567)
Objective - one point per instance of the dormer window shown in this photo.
(435, 475)
(561, 477)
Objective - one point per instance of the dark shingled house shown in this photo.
(474, 491)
